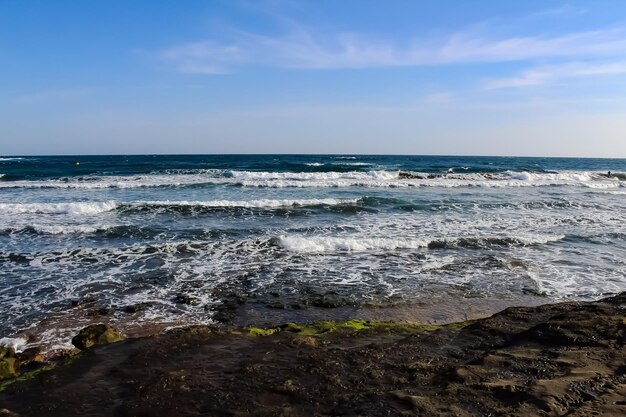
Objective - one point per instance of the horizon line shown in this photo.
(309, 154)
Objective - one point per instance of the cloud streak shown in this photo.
(302, 49)
(547, 74)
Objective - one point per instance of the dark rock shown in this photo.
(96, 334)
(408, 176)
(522, 361)
(329, 301)
(135, 308)
(187, 299)
(228, 308)
(279, 305)
(18, 258)
(82, 302)
(535, 292)
(104, 311)
(30, 355)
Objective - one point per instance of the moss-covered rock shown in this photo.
(9, 363)
(6, 351)
(8, 368)
(320, 328)
(257, 331)
(96, 334)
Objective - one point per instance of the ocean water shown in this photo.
(174, 235)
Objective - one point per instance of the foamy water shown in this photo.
(175, 237)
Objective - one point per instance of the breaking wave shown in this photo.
(263, 203)
(373, 178)
(357, 244)
(74, 208)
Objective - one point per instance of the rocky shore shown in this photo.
(551, 360)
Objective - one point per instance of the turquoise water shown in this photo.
(368, 230)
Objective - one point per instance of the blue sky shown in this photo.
(543, 78)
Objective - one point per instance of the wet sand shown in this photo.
(551, 360)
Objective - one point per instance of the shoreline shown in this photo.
(553, 359)
(52, 336)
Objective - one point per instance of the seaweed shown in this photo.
(324, 327)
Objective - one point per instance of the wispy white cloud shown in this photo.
(205, 57)
(303, 49)
(547, 74)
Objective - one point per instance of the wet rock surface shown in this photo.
(553, 360)
(96, 334)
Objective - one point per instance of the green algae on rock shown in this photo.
(8, 368)
(330, 326)
(96, 334)
(9, 363)
(25, 376)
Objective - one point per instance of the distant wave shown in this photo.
(416, 179)
(90, 208)
(102, 182)
(40, 229)
(348, 205)
(58, 208)
(264, 203)
(10, 159)
(372, 178)
(115, 231)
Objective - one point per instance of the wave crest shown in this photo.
(74, 208)
(317, 244)
(372, 178)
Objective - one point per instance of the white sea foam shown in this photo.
(360, 244)
(263, 203)
(67, 229)
(377, 178)
(314, 179)
(74, 208)
(16, 343)
(614, 192)
(373, 178)
(314, 164)
(10, 159)
(537, 239)
(332, 244)
(103, 182)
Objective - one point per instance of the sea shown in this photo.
(144, 241)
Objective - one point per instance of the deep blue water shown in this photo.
(291, 229)
(41, 167)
